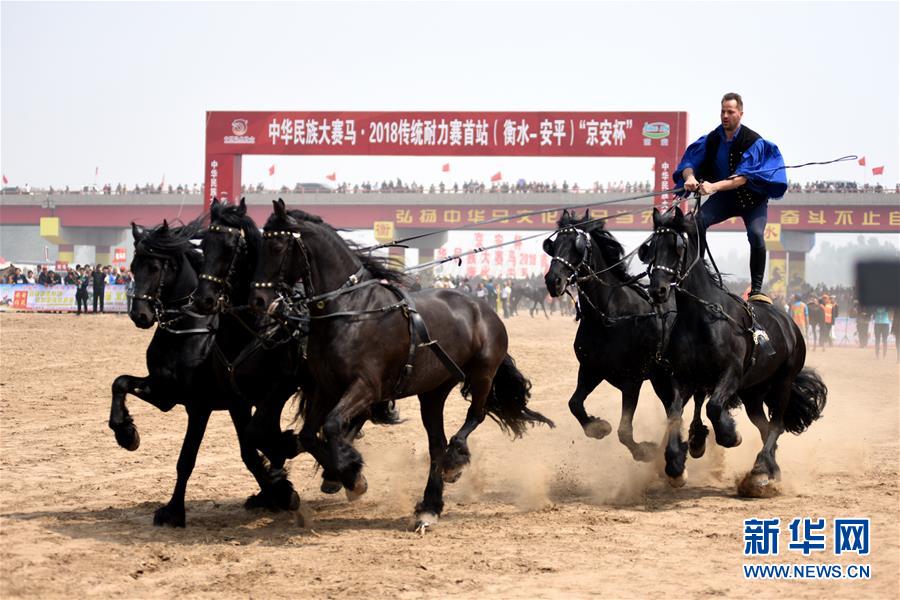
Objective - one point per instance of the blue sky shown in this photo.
(124, 86)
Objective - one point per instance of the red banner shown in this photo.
(447, 133)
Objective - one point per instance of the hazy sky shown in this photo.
(124, 86)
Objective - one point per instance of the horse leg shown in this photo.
(592, 426)
(457, 455)
(276, 490)
(345, 459)
(120, 420)
(698, 431)
(676, 448)
(765, 469)
(644, 451)
(717, 411)
(431, 407)
(172, 514)
(757, 413)
(263, 430)
(544, 308)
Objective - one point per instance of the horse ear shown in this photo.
(242, 207)
(165, 227)
(137, 232)
(280, 209)
(655, 217)
(679, 217)
(644, 252)
(548, 246)
(587, 215)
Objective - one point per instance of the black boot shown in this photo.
(757, 273)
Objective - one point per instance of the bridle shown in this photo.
(681, 245)
(296, 238)
(155, 299)
(225, 282)
(584, 260)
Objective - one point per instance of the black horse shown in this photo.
(620, 336)
(368, 343)
(188, 364)
(271, 365)
(536, 295)
(735, 351)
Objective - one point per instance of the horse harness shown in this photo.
(405, 304)
(225, 282)
(755, 331)
(418, 331)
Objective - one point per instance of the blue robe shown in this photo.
(762, 165)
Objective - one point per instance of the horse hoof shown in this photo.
(597, 429)
(359, 488)
(424, 520)
(452, 475)
(128, 437)
(257, 501)
(757, 485)
(734, 442)
(330, 487)
(677, 482)
(645, 452)
(167, 515)
(698, 450)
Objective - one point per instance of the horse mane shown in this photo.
(380, 268)
(231, 216)
(610, 248)
(690, 229)
(171, 241)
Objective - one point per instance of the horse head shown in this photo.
(583, 247)
(668, 252)
(570, 252)
(164, 269)
(228, 253)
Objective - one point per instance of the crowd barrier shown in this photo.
(58, 298)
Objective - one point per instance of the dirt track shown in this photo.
(552, 515)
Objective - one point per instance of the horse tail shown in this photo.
(506, 403)
(806, 401)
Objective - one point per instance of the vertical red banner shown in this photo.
(222, 178)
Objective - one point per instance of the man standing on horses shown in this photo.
(740, 171)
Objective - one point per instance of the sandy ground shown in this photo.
(552, 515)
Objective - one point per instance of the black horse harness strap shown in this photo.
(418, 329)
(755, 331)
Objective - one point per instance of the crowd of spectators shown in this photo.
(90, 281)
(468, 187)
(839, 187)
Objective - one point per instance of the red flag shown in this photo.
(862, 161)
(331, 177)
(878, 170)
(5, 180)
(496, 176)
(446, 168)
(272, 170)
